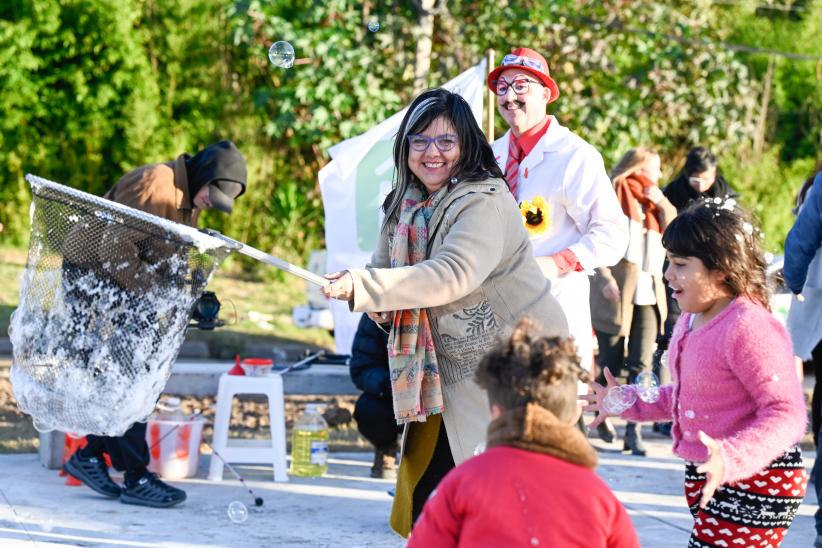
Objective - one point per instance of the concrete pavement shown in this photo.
(344, 508)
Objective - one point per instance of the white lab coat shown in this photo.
(585, 217)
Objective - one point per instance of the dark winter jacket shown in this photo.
(369, 359)
(803, 272)
(682, 194)
(804, 239)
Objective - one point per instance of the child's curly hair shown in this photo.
(530, 368)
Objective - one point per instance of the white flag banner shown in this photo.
(354, 185)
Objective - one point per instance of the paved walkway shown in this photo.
(344, 508)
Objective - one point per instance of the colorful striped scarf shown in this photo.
(412, 359)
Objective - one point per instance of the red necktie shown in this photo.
(512, 166)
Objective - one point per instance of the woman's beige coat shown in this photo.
(615, 318)
(479, 279)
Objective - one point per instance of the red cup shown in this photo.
(257, 367)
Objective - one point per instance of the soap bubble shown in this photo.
(41, 427)
(281, 54)
(373, 25)
(647, 387)
(479, 449)
(619, 399)
(237, 512)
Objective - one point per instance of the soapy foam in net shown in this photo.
(104, 302)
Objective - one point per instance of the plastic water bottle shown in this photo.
(309, 444)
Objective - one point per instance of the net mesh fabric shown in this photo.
(104, 302)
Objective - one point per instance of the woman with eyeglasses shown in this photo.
(700, 178)
(453, 273)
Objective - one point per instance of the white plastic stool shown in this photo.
(250, 451)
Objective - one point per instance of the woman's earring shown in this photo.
(454, 180)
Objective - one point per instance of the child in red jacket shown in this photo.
(535, 485)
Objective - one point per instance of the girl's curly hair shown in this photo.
(529, 368)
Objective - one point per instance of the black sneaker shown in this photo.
(93, 472)
(149, 490)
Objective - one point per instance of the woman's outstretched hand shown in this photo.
(341, 286)
(713, 468)
(595, 399)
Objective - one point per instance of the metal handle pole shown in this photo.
(302, 362)
(270, 259)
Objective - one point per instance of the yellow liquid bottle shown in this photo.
(309, 444)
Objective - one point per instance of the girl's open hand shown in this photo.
(341, 286)
(595, 399)
(713, 468)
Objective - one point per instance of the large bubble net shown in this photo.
(104, 303)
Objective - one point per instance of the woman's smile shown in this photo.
(432, 166)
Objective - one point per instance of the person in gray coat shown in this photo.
(803, 276)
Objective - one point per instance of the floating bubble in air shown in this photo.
(373, 25)
(281, 54)
(237, 512)
(619, 399)
(479, 449)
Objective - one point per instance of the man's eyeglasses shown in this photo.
(444, 142)
(519, 85)
(522, 61)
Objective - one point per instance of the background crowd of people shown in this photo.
(455, 270)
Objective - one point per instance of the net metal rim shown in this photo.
(191, 235)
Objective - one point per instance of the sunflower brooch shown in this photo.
(535, 215)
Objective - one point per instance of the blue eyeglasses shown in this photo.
(444, 142)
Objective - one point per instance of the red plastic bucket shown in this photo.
(174, 447)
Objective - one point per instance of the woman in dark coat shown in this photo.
(700, 178)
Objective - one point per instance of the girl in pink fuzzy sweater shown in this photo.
(736, 402)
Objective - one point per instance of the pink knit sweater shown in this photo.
(733, 378)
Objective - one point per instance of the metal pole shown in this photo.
(491, 98)
(254, 253)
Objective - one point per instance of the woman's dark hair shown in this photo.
(476, 161)
(528, 368)
(699, 160)
(723, 237)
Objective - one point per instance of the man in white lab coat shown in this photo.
(566, 198)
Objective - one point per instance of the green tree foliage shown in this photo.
(345, 80)
(795, 112)
(92, 88)
(628, 75)
(78, 98)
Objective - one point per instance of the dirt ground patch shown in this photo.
(249, 420)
